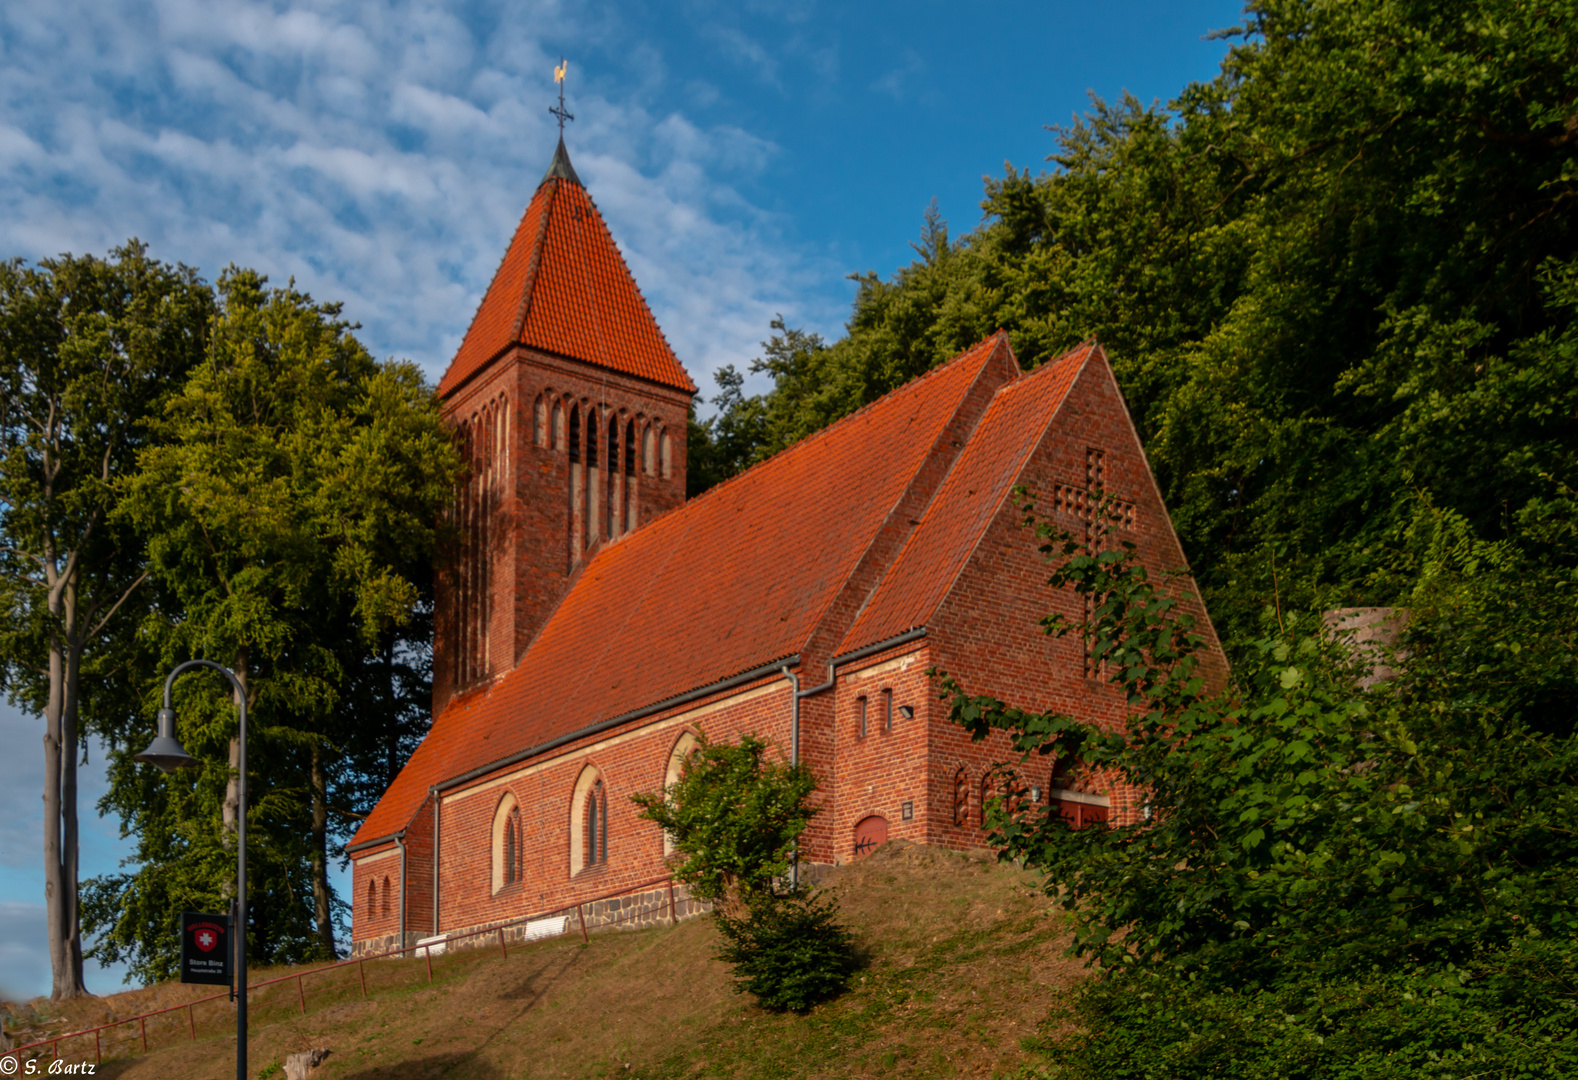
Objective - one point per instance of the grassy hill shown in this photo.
(964, 960)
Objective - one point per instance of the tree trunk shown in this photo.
(60, 804)
(320, 855)
(230, 812)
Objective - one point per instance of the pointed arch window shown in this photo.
(648, 457)
(539, 423)
(671, 775)
(386, 894)
(556, 430)
(588, 822)
(512, 857)
(372, 898)
(508, 842)
(596, 826)
(665, 455)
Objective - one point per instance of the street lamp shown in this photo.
(167, 753)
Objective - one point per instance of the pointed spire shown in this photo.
(564, 288)
(560, 167)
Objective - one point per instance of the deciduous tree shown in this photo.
(89, 351)
(290, 508)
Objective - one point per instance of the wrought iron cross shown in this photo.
(559, 109)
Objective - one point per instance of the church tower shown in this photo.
(570, 409)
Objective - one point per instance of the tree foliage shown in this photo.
(1337, 276)
(790, 953)
(1308, 845)
(289, 506)
(733, 817)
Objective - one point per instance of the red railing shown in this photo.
(141, 1019)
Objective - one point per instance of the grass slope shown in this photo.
(963, 962)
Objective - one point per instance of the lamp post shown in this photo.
(167, 753)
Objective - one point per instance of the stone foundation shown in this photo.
(636, 911)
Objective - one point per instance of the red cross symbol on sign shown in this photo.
(205, 940)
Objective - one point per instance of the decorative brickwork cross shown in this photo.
(1086, 503)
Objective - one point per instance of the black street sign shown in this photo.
(206, 948)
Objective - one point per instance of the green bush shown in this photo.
(1512, 1013)
(788, 951)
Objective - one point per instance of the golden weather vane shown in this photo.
(559, 109)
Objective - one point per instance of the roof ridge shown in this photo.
(1000, 402)
(1049, 365)
(836, 424)
(640, 295)
(482, 298)
(532, 267)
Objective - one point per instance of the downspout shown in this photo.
(399, 838)
(832, 677)
(794, 759)
(437, 820)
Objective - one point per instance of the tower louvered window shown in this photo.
(483, 441)
(632, 485)
(614, 515)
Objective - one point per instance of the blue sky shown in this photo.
(748, 157)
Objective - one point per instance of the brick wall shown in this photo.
(534, 544)
(986, 633)
(629, 760)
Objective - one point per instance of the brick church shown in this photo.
(594, 619)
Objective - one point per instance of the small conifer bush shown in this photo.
(788, 951)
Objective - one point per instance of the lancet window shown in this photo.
(588, 822)
(508, 843)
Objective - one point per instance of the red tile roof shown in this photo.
(739, 577)
(564, 287)
(969, 498)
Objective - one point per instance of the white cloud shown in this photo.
(897, 81)
(381, 153)
(741, 49)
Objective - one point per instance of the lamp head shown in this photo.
(166, 751)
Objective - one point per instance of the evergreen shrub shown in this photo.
(788, 951)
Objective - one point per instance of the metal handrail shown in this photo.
(495, 928)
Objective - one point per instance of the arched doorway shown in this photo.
(869, 833)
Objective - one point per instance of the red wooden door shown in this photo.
(869, 833)
(1079, 814)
